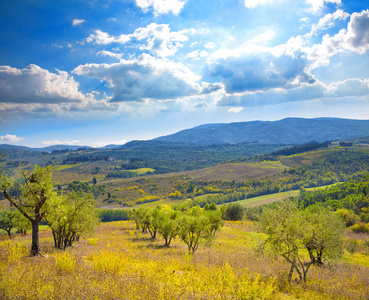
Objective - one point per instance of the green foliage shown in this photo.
(194, 225)
(86, 188)
(109, 215)
(168, 225)
(71, 216)
(22, 224)
(7, 221)
(290, 233)
(300, 149)
(36, 193)
(234, 212)
(190, 225)
(360, 228)
(349, 199)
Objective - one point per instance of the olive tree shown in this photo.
(168, 225)
(295, 235)
(70, 216)
(194, 225)
(36, 190)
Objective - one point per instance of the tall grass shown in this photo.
(120, 262)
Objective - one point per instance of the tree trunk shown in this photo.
(291, 272)
(35, 249)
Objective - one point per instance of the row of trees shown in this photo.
(68, 215)
(191, 225)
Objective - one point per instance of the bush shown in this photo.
(234, 212)
(360, 228)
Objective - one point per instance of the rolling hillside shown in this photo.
(287, 131)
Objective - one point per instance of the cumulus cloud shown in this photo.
(197, 54)
(355, 38)
(160, 40)
(335, 90)
(109, 54)
(250, 68)
(256, 68)
(317, 5)
(102, 38)
(161, 6)
(10, 138)
(328, 21)
(77, 22)
(144, 77)
(348, 87)
(36, 85)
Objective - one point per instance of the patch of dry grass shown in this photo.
(120, 262)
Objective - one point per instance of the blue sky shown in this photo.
(107, 72)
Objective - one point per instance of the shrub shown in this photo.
(64, 262)
(234, 212)
(360, 228)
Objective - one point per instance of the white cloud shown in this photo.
(263, 38)
(349, 88)
(110, 54)
(235, 110)
(161, 41)
(58, 142)
(102, 38)
(10, 138)
(209, 45)
(254, 3)
(36, 85)
(144, 77)
(328, 21)
(77, 22)
(317, 5)
(162, 6)
(197, 54)
(353, 39)
(252, 67)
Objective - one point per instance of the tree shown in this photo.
(291, 234)
(22, 224)
(36, 191)
(7, 221)
(168, 225)
(193, 226)
(71, 216)
(215, 220)
(323, 233)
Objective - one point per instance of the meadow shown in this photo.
(121, 262)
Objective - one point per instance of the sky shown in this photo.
(99, 72)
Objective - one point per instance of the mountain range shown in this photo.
(289, 131)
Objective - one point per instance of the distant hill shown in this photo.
(47, 149)
(290, 131)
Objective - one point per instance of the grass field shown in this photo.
(119, 262)
(303, 159)
(266, 199)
